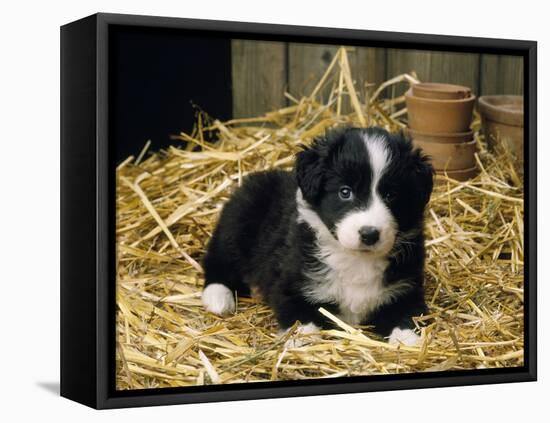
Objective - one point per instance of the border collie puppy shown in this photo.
(343, 232)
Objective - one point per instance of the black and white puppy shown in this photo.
(343, 232)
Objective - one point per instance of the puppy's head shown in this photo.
(364, 186)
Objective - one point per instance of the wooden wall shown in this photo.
(263, 71)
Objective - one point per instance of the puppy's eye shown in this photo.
(345, 193)
(389, 196)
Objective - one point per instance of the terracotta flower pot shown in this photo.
(451, 138)
(449, 156)
(440, 91)
(502, 121)
(459, 175)
(445, 116)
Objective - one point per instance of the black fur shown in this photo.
(259, 243)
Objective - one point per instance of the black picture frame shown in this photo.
(87, 214)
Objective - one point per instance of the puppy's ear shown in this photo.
(423, 172)
(309, 172)
(420, 167)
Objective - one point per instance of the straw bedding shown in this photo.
(167, 205)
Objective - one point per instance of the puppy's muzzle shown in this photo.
(369, 235)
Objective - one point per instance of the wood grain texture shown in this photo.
(262, 71)
(369, 67)
(433, 66)
(307, 63)
(501, 74)
(259, 77)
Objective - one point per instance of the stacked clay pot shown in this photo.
(439, 122)
(502, 121)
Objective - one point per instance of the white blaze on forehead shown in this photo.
(376, 214)
(379, 157)
(347, 275)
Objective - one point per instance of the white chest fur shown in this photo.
(351, 280)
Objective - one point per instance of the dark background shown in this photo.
(155, 78)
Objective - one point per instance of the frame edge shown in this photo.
(103, 398)
(77, 212)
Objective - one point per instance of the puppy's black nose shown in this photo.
(369, 235)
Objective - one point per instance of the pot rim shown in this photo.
(409, 95)
(499, 114)
(465, 143)
(440, 134)
(442, 87)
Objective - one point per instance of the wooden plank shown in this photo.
(501, 74)
(434, 66)
(306, 65)
(369, 67)
(259, 77)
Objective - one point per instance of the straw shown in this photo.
(168, 203)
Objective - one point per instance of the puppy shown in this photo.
(344, 231)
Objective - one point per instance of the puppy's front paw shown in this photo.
(298, 339)
(218, 299)
(403, 336)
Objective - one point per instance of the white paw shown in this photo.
(297, 340)
(403, 336)
(218, 299)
